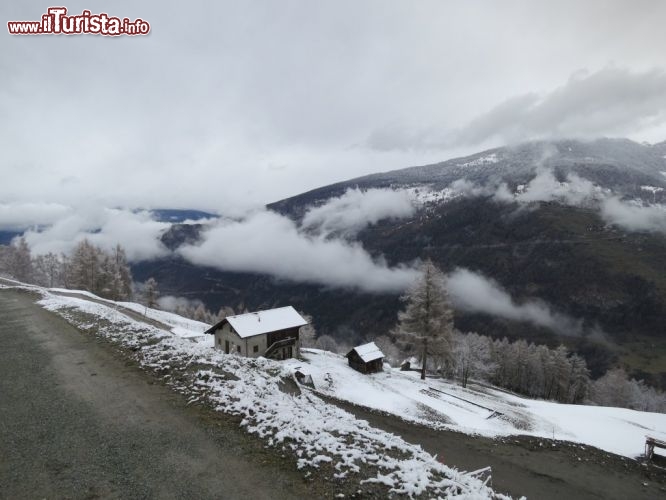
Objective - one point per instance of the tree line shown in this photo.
(87, 267)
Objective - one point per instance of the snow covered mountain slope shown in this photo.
(617, 164)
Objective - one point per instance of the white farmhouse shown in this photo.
(273, 333)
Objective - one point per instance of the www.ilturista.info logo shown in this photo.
(56, 22)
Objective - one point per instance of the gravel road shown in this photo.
(77, 420)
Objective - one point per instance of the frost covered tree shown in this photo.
(21, 263)
(327, 343)
(389, 348)
(616, 389)
(6, 253)
(121, 280)
(93, 269)
(223, 313)
(150, 292)
(472, 357)
(426, 324)
(308, 335)
(84, 266)
(201, 313)
(579, 379)
(47, 269)
(538, 371)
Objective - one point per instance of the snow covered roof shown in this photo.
(257, 323)
(368, 352)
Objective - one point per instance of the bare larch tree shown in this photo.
(427, 322)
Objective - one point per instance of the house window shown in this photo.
(219, 341)
(238, 348)
(255, 348)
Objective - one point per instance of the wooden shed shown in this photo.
(366, 358)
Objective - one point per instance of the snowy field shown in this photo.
(480, 410)
(319, 434)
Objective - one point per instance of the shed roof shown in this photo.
(368, 352)
(260, 322)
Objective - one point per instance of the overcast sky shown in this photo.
(229, 104)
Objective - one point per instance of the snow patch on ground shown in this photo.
(183, 327)
(480, 410)
(484, 160)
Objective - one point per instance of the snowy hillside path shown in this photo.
(79, 421)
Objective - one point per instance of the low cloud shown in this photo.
(357, 209)
(467, 188)
(575, 190)
(633, 215)
(173, 303)
(268, 243)
(20, 216)
(261, 242)
(544, 186)
(475, 293)
(137, 232)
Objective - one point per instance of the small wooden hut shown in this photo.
(366, 358)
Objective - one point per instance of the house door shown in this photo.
(289, 353)
(226, 347)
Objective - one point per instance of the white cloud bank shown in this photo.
(634, 216)
(137, 232)
(356, 209)
(475, 293)
(266, 242)
(262, 242)
(18, 216)
(173, 303)
(545, 187)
